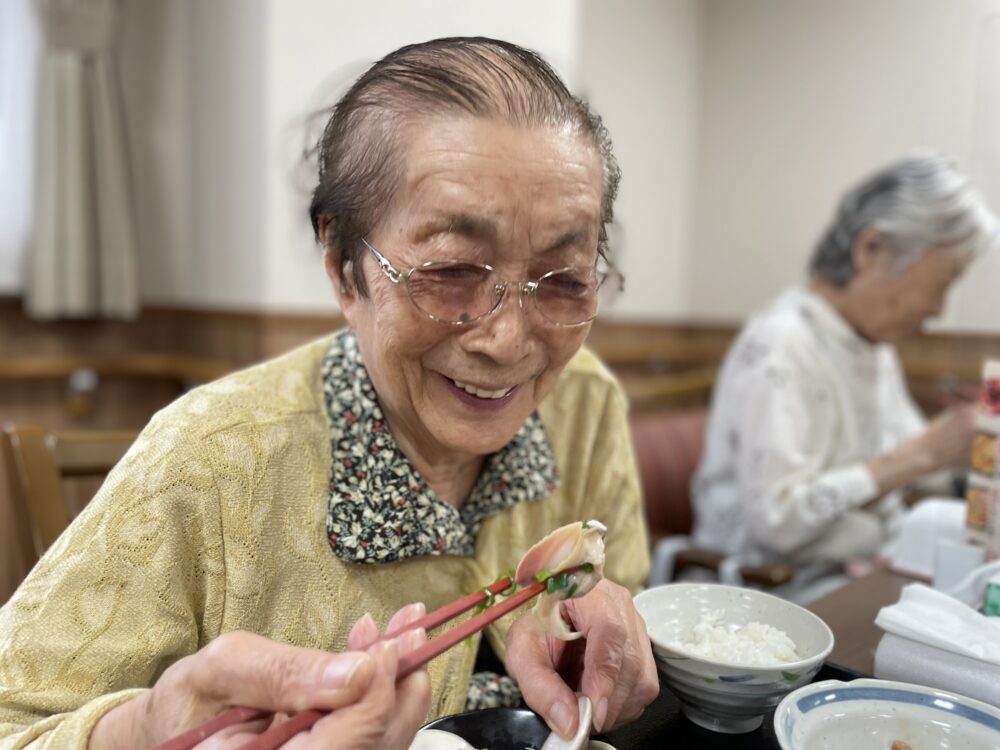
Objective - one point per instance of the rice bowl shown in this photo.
(719, 692)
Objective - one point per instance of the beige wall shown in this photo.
(641, 70)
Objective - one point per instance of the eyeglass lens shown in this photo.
(461, 292)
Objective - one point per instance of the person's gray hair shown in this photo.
(916, 203)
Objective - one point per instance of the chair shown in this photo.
(36, 464)
(668, 445)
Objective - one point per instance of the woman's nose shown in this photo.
(506, 333)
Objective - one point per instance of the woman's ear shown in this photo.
(338, 275)
(867, 251)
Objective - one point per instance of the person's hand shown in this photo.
(243, 669)
(946, 442)
(612, 665)
(948, 438)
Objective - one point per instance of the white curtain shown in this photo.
(83, 258)
(18, 55)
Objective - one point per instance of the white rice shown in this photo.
(751, 645)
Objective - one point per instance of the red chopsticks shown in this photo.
(416, 659)
(227, 718)
(276, 736)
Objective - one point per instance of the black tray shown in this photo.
(663, 725)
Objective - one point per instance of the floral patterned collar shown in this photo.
(380, 509)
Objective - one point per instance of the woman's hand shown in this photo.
(242, 669)
(948, 438)
(946, 443)
(612, 665)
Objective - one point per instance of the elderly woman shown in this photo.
(812, 427)
(462, 201)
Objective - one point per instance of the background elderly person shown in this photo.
(811, 425)
(462, 200)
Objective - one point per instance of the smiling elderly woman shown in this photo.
(462, 201)
(812, 429)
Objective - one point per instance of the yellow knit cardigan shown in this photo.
(215, 521)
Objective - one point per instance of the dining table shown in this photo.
(850, 613)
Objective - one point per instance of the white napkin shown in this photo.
(903, 660)
(936, 619)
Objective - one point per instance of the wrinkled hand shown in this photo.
(948, 438)
(373, 711)
(612, 664)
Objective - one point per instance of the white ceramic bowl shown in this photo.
(716, 694)
(865, 714)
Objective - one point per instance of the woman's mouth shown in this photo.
(480, 396)
(483, 393)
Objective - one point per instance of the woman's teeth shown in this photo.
(481, 393)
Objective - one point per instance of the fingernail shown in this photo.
(562, 717)
(388, 651)
(600, 714)
(414, 640)
(341, 668)
(365, 631)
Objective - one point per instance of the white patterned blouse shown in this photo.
(801, 403)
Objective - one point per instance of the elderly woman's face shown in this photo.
(900, 302)
(524, 201)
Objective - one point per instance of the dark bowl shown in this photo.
(496, 728)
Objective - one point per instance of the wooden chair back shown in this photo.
(37, 462)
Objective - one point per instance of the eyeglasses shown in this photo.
(458, 292)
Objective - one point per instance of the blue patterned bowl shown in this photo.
(720, 694)
(874, 713)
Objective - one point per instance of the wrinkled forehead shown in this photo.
(464, 153)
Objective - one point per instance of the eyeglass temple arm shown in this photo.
(383, 263)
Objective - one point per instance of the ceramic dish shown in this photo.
(864, 714)
(719, 694)
(496, 728)
(502, 729)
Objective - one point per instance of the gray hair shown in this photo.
(916, 203)
(361, 152)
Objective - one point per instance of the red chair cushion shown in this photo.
(668, 446)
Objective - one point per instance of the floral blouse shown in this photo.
(381, 510)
